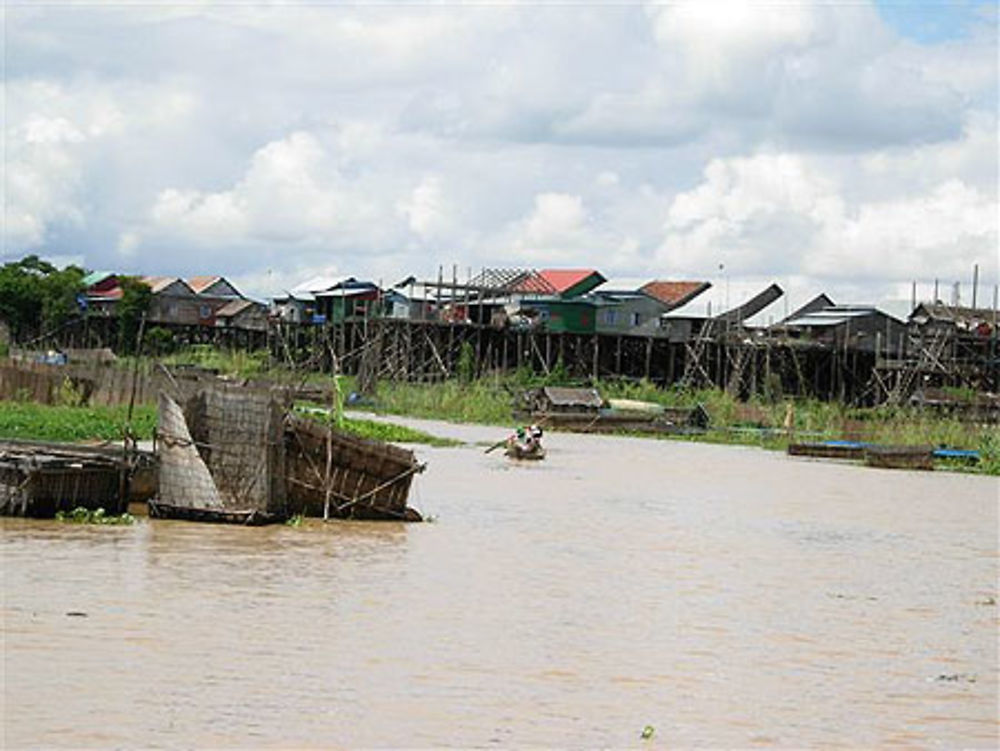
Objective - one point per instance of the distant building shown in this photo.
(860, 327)
(930, 317)
(298, 305)
(173, 301)
(242, 314)
(635, 308)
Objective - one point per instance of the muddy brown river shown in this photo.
(725, 597)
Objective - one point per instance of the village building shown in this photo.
(636, 307)
(349, 300)
(101, 292)
(859, 327)
(172, 302)
(242, 314)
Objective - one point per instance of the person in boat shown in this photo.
(526, 441)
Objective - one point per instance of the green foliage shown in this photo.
(376, 430)
(62, 423)
(295, 521)
(81, 515)
(131, 309)
(158, 342)
(69, 395)
(35, 296)
(236, 363)
(465, 369)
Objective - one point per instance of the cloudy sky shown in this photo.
(847, 147)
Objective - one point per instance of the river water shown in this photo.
(723, 596)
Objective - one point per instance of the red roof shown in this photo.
(105, 294)
(564, 279)
(674, 294)
(201, 283)
(555, 281)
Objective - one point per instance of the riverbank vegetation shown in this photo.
(768, 423)
(81, 515)
(71, 423)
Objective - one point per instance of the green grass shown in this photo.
(757, 422)
(81, 515)
(41, 422)
(376, 430)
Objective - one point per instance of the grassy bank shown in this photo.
(39, 422)
(757, 422)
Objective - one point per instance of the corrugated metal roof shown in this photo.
(834, 316)
(315, 284)
(95, 277)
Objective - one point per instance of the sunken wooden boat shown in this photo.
(829, 449)
(332, 474)
(900, 457)
(39, 479)
(222, 462)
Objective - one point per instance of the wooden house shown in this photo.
(173, 301)
(242, 314)
(861, 327)
(213, 293)
(938, 317)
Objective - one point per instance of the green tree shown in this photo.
(36, 297)
(131, 310)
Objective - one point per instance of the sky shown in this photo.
(843, 147)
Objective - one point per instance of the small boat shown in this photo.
(525, 453)
(246, 517)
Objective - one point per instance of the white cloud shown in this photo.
(427, 210)
(778, 213)
(801, 139)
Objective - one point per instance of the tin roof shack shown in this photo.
(955, 346)
(399, 305)
(298, 305)
(173, 301)
(242, 314)
(350, 300)
(858, 327)
(950, 318)
(638, 310)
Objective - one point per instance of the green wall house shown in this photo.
(565, 316)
